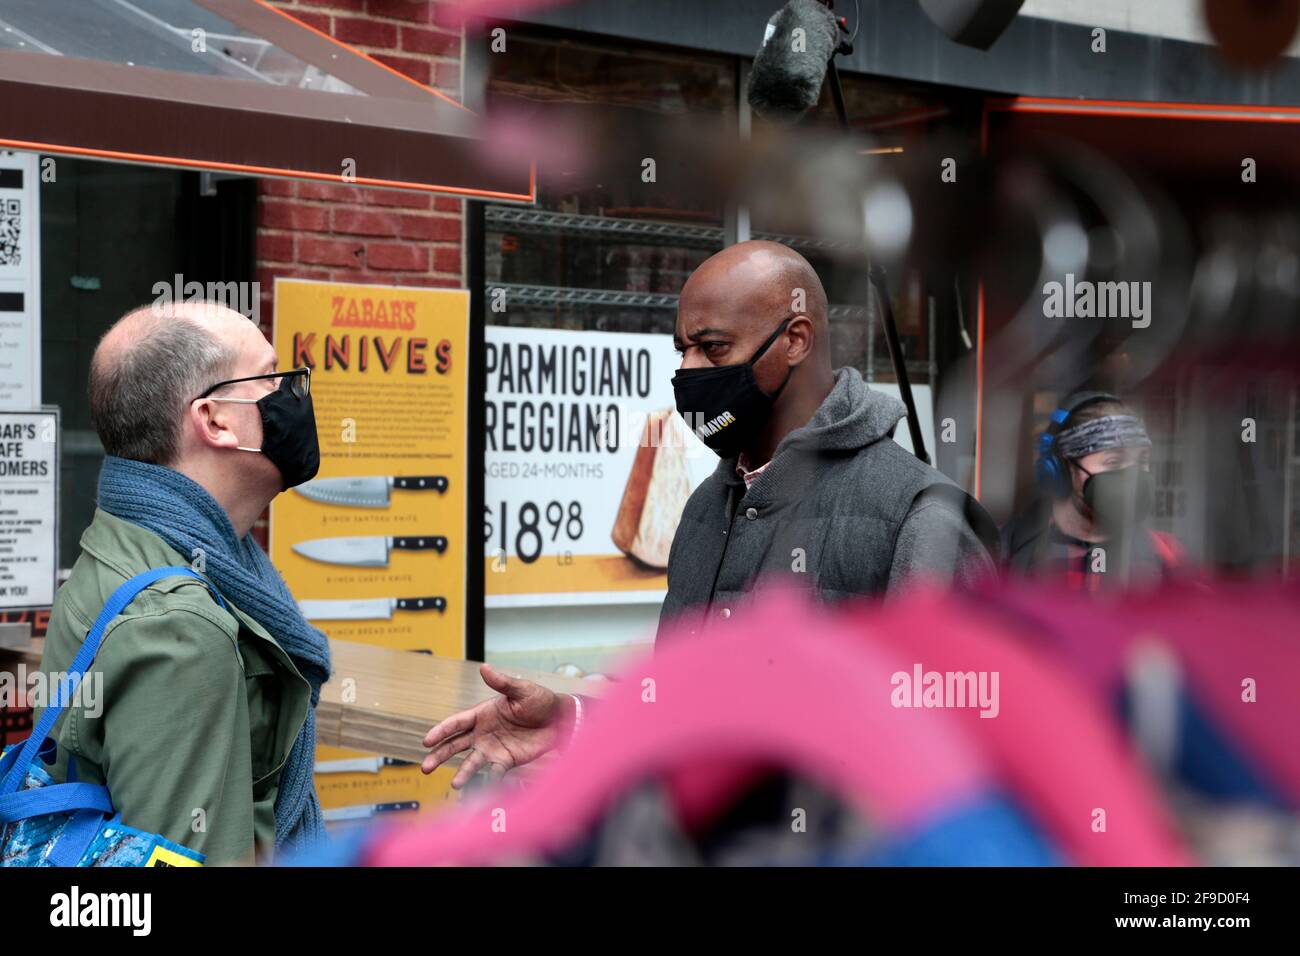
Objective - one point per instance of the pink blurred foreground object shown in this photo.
(783, 684)
(1235, 645)
(1055, 746)
(817, 693)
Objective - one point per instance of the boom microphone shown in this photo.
(790, 67)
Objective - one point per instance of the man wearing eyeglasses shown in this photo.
(207, 729)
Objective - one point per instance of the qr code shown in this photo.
(11, 229)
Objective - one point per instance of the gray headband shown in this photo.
(1109, 431)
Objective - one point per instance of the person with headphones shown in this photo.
(1089, 525)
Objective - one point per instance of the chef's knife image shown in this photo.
(373, 492)
(367, 609)
(367, 552)
(360, 764)
(366, 810)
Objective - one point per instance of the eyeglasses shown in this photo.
(299, 385)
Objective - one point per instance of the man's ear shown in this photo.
(800, 336)
(208, 422)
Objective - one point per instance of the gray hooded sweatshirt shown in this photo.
(841, 510)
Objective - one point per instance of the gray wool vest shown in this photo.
(821, 519)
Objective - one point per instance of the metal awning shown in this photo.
(236, 86)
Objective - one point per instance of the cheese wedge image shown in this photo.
(656, 492)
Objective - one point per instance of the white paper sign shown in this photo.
(29, 508)
(20, 281)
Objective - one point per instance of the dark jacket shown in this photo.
(842, 510)
(1033, 546)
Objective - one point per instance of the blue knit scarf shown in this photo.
(185, 516)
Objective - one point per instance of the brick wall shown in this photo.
(341, 233)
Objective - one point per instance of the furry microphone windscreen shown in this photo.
(790, 67)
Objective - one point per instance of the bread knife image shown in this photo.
(369, 492)
(367, 609)
(366, 810)
(366, 552)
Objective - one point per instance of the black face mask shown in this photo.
(723, 405)
(1120, 499)
(289, 435)
(288, 427)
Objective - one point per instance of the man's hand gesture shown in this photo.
(525, 721)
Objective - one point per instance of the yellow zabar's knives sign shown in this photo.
(374, 547)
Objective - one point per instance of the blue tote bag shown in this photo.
(43, 823)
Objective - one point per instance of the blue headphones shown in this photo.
(1051, 470)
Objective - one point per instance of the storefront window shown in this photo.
(109, 232)
(610, 253)
(602, 252)
(602, 249)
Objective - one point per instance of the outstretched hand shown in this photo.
(519, 725)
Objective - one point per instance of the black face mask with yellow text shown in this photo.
(723, 405)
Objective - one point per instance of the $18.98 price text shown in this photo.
(531, 526)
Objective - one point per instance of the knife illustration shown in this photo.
(366, 810)
(366, 552)
(360, 764)
(369, 492)
(367, 609)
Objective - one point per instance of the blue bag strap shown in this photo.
(117, 601)
(75, 839)
(45, 752)
(60, 798)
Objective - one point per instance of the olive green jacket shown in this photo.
(197, 708)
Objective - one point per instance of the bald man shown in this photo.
(811, 491)
(204, 727)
